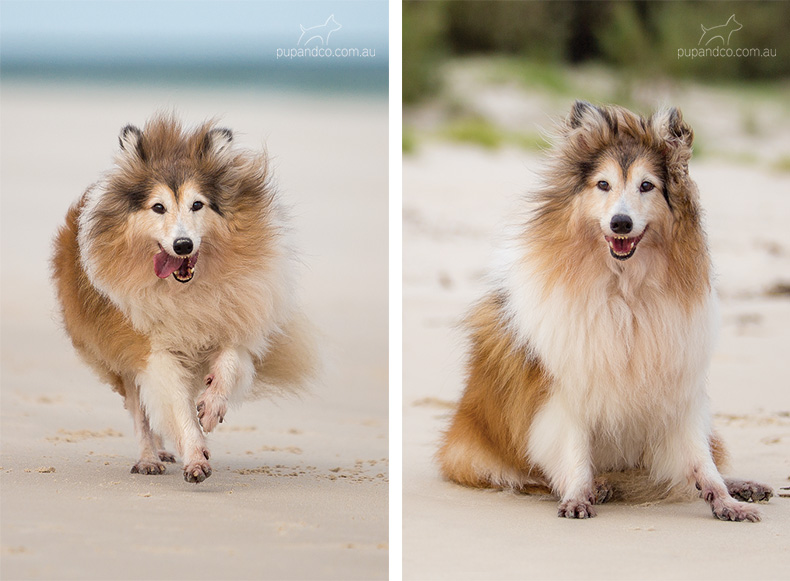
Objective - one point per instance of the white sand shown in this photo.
(299, 489)
(455, 199)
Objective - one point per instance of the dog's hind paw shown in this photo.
(148, 467)
(747, 491)
(602, 490)
(166, 456)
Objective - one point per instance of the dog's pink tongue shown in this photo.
(623, 245)
(165, 265)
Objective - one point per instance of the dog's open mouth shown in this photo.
(182, 269)
(623, 248)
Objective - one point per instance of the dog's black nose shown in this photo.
(620, 224)
(182, 246)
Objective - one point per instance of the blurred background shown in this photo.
(194, 42)
(480, 71)
(300, 486)
(483, 84)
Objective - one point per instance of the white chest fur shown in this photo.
(620, 350)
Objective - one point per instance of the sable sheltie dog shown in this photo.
(590, 354)
(176, 281)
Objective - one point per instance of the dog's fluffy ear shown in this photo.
(672, 129)
(581, 111)
(216, 142)
(588, 127)
(676, 136)
(584, 114)
(131, 140)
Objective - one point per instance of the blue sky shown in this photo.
(179, 31)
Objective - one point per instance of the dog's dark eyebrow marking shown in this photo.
(588, 166)
(208, 185)
(174, 177)
(136, 194)
(174, 185)
(625, 164)
(627, 154)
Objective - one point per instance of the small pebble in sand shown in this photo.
(46, 470)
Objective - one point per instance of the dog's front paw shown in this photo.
(575, 508)
(211, 407)
(198, 470)
(728, 509)
(747, 491)
(148, 467)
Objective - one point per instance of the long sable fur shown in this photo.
(506, 381)
(118, 313)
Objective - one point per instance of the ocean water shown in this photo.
(199, 43)
(319, 78)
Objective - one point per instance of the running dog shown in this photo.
(177, 281)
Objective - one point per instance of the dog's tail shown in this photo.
(637, 487)
(291, 363)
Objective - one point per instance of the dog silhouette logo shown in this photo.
(723, 31)
(319, 33)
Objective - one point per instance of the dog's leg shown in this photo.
(166, 396)
(164, 455)
(561, 447)
(230, 378)
(686, 455)
(149, 460)
(714, 491)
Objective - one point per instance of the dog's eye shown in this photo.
(158, 208)
(196, 206)
(646, 187)
(602, 185)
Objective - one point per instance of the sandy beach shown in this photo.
(299, 489)
(456, 197)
